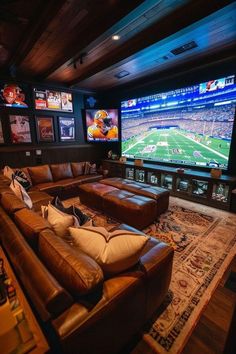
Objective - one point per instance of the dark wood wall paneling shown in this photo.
(15, 154)
(179, 77)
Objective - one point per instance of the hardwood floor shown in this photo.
(210, 334)
(211, 331)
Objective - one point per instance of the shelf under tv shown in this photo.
(201, 187)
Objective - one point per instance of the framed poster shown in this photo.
(13, 95)
(53, 100)
(20, 129)
(1, 133)
(45, 129)
(66, 128)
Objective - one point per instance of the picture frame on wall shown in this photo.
(1, 133)
(66, 128)
(51, 100)
(13, 95)
(20, 129)
(45, 129)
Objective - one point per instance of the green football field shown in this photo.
(177, 144)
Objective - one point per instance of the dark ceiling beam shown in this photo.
(99, 24)
(44, 13)
(170, 24)
(224, 59)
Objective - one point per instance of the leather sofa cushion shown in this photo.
(30, 224)
(76, 271)
(77, 168)
(40, 174)
(39, 198)
(61, 171)
(11, 203)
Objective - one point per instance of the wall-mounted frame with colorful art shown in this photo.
(13, 95)
(1, 133)
(51, 100)
(66, 128)
(45, 129)
(20, 129)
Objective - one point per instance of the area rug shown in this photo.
(204, 247)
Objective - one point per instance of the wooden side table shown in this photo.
(35, 342)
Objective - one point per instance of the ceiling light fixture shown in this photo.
(122, 74)
(116, 37)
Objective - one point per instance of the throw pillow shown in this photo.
(90, 168)
(72, 210)
(114, 251)
(21, 193)
(59, 221)
(21, 177)
(8, 172)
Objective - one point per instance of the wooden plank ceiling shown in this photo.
(70, 42)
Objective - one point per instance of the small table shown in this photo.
(35, 342)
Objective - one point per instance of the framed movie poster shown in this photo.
(1, 133)
(20, 129)
(13, 95)
(45, 129)
(53, 100)
(66, 128)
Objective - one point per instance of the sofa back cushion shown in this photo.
(30, 224)
(61, 171)
(40, 174)
(77, 168)
(76, 271)
(11, 203)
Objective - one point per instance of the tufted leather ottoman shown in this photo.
(160, 195)
(135, 210)
(92, 194)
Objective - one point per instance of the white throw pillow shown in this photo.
(59, 221)
(114, 251)
(21, 193)
(8, 172)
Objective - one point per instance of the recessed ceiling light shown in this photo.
(121, 74)
(116, 37)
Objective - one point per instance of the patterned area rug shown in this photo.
(204, 247)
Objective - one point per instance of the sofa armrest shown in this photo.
(48, 296)
(156, 262)
(120, 309)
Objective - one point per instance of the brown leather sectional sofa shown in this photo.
(60, 179)
(89, 313)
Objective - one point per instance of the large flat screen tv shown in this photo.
(101, 125)
(189, 126)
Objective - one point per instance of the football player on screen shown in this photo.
(102, 127)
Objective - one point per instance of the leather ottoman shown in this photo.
(160, 195)
(135, 210)
(91, 194)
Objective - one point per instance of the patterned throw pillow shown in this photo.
(21, 193)
(114, 251)
(72, 210)
(59, 221)
(21, 177)
(90, 169)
